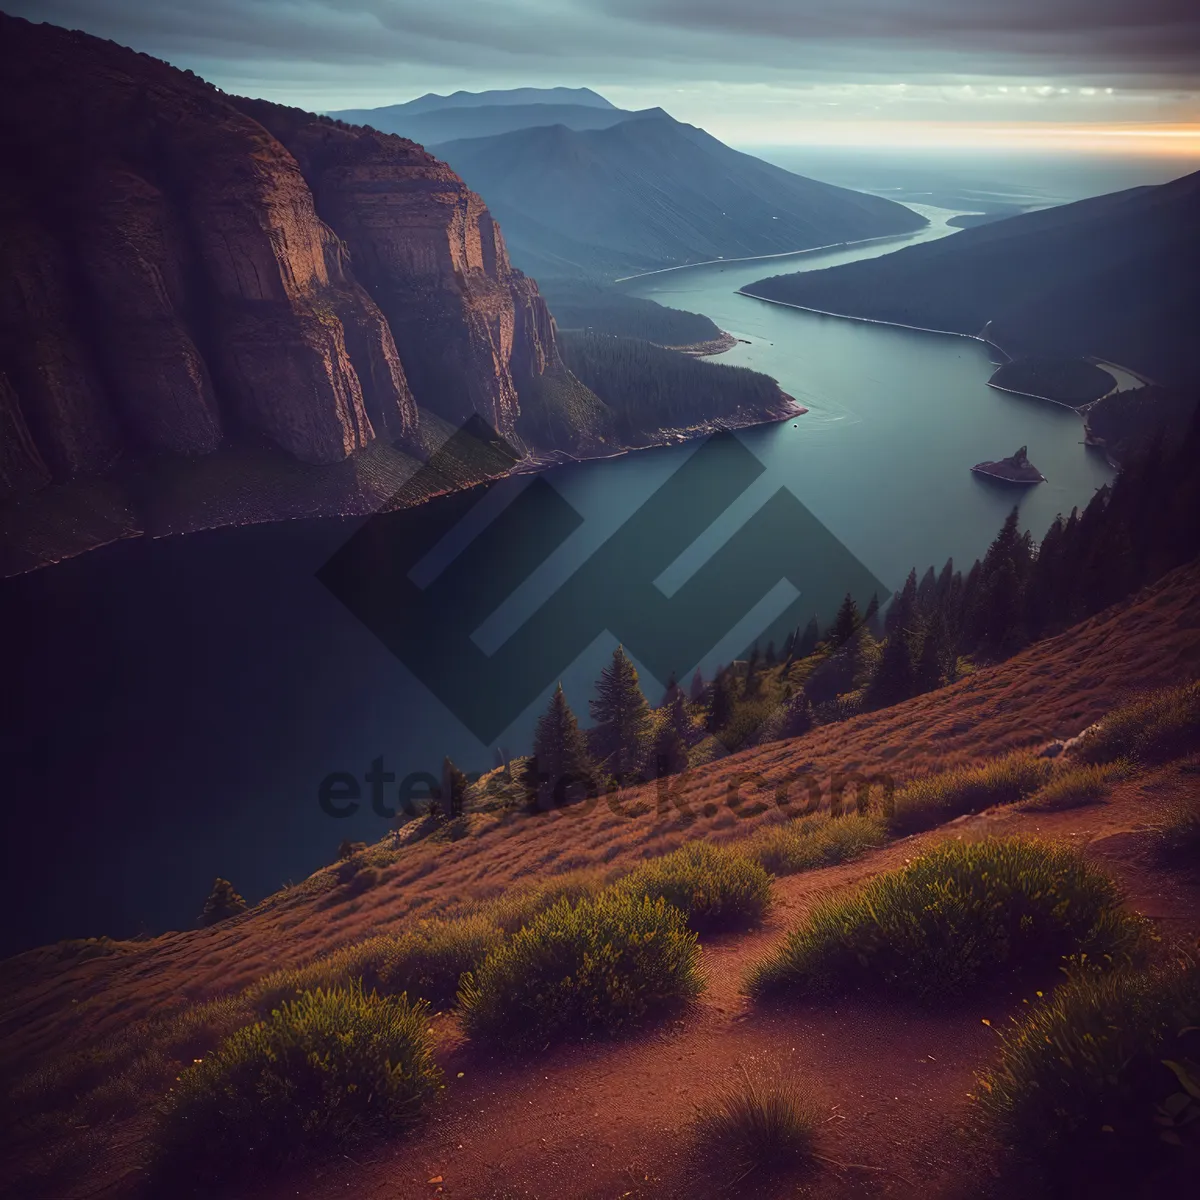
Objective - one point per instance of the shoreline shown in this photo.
(1079, 410)
(788, 409)
(712, 262)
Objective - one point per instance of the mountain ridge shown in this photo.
(1107, 277)
(652, 192)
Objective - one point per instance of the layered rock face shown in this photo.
(180, 270)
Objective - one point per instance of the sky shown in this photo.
(1112, 75)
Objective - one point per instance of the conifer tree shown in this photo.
(454, 790)
(223, 902)
(871, 616)
(622, 717)
(846, 622)
(670, 751)
(697, 689)
(720, 703)
(808, 641)
(893, 679)
(750, 687)
(770, 658)
(560, 757)
(789, 645)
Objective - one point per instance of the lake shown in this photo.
(180, 701)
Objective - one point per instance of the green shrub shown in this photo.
(817, 841)
(1087, 1071)
(953, 918)
(759, 1125)
(324, 1072)
(1181, 829)
(430, 961)
(1073, 786)
(1152, 729)
(927, 802)
(713, 886)
(426, 962)
(518, 906)
(596, 967)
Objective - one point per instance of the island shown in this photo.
(1017, 469)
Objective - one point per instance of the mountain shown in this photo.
(652, 192)
(432, 102)
(217, 311)
(484, 120)
(1113, 277)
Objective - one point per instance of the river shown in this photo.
(181, 700)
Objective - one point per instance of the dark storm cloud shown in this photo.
(1150, 43)
(1159, 35)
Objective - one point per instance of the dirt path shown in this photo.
(614, 1120)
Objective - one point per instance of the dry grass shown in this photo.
(759, 1125)
(1154, 728)
(817, 841)
(934, 799)
(1071, 786)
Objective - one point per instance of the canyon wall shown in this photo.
(181, 271)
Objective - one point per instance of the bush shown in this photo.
(818, 841)
(1181, 829)
(951, 919)
(223, 902)
(1076, 785)
(927, 802)
(323, 1072)
(516, 908)
(596, 967)
(1152, 729)
(713, 886)
(427, 962)
(1086, 1070)
(761, 1125)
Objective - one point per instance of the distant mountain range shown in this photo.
(586, 190)
(1113, 277)
(432, 102)
(428, 126)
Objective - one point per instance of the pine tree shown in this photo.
(560, 757)
(750, 687)
(697, 689)
(454, 790)
(893, 679)
(846, 622)
(871, 616)
(622, 717)
(770, 658)
(902, 612)
(789, 645)
(808, 641)
(222, 903)
(935, 664)
(670, 751)
(720, 703)
(927, 593)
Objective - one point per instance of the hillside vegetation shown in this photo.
(1108, 277)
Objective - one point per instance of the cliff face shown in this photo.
(180, 270)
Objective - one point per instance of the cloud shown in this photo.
(343, 53)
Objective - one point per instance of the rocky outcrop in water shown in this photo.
(1015, 469)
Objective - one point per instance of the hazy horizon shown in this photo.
(1113, 77)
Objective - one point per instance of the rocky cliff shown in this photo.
(181, 271)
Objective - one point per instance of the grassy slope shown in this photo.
(1054, 688)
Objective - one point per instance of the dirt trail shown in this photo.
(614, 1120)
